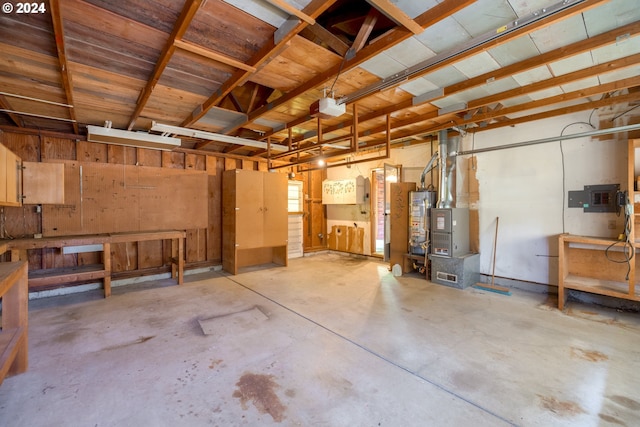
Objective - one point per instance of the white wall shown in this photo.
(410, 157)
(523, 187)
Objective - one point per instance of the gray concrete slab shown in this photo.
(342, 343)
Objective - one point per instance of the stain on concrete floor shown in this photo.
(560, 407)
(259, 389)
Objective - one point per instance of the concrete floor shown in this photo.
(328, 341)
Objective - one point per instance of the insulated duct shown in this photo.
(448, 149)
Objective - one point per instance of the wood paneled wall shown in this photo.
(203, 246)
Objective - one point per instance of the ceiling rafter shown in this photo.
(430, 17)
(365, 30)
(576, 48)
(499, 112)
(6, 105)
(397, 15)
(208, 53)
(293, 11)
(180, 28)
(527, 64)
(626, 98)
(326, 37)
(313, 9)
(67, 80)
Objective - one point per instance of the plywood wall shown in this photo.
(201, 218)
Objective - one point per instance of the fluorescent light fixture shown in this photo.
(127, 138)
(211, 136)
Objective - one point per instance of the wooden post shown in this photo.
(106, 260)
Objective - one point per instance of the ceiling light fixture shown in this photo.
(108, 135)
(211, 136)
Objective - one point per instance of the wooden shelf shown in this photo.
(13, 337)
(584, 263)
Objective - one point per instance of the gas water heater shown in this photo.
(421, 203)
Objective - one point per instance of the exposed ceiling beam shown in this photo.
(208, 53)
(478, 44)
(67, 81)
(180, 28)
(5, 105)
(293, 11)
(365, 30)
(631, 97)
(396, 14)
(313, 9)
(527, 64)
(428, 18)
(573, 49)
(614, 65)
(326, 37)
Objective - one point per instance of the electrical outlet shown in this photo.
(612, 224)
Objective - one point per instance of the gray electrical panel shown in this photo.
(449, 232)
(595, 198)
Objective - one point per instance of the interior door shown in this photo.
(391, 175)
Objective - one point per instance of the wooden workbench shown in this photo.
(52, 277)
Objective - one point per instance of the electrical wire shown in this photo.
(564, 173)
(628, 254)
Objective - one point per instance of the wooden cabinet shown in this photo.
(29, 182)
(604, 266)
(9, 178)
(254, 219)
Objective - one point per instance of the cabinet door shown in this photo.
(3, 175)
(249, 209)
(12, 179)
(43, 183)
(275, 209)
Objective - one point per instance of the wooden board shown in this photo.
(107, 198)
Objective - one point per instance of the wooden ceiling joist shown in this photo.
(67, 82)
(5, 105)
(180, 28)
(428, 18)
(313, 9)
(293, 11)
(207, 53)
(397, 15)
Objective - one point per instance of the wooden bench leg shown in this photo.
(106, 259)
(180, 261)
(15, 315)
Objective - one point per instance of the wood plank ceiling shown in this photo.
(252, 68)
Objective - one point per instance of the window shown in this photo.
(294, 199)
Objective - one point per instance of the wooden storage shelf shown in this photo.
(48, 278)
(583, 266)
(13, 336)
(582, 261)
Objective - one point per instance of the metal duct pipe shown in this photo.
(442, 184)
(452, 147)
